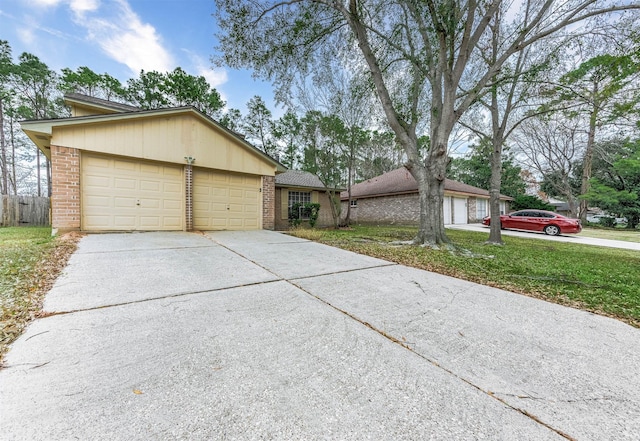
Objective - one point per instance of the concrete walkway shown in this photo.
(259, 335)
(571, 238)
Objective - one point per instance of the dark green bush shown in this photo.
(299, 212)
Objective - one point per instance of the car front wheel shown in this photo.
(551, 230)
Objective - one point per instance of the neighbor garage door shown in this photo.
(460, 215)
(226, 201)
(127, 195)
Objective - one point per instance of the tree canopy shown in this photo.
(419, 57)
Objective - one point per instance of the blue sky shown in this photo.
(122, 37)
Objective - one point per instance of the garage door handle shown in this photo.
(137, 202)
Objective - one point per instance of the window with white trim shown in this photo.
(299, 197)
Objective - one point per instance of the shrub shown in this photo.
(609, 222)
(299, 212)
(524, 201)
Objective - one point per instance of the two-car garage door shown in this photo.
(121, 194)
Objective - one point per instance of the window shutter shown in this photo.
(314, 197)
(284, 204)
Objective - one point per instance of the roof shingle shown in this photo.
(298, 178)
(120, 107)
(401, 181)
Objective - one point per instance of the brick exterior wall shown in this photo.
(188, 197)
(65, 189)
(268, 202)
(281, 223)
(325, 218)
(400, 209)
(472, 210)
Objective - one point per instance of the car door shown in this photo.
(537, 221)
(514, 220)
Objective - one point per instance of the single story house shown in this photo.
(393, 198)
(295, 186)
(560, 207)
(119, 168)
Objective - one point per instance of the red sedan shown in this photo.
(538, 220)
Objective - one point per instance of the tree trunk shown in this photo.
(347, 219)
(38, 170)
(334, 202)
(4, 170)
(48, 167)
(431, 179)
(14, 183)
(588, 158)
(495, 234)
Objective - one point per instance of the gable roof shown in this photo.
(40, 131)
(400, 181)
(299, 178)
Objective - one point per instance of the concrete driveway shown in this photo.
(259, 335)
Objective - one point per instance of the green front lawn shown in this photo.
(624, 234)
(598, 279)
(30, 260)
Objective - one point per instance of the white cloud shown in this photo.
(44, 3)
(26, 35)
(115, 28)
(81, 6)
(122, 35)
(202, 66)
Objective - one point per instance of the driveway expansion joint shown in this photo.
(137, 250)
(408, 346)
(340, 272)
(46, 314)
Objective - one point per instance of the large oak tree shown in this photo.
(416, 52)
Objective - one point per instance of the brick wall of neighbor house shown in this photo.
(280, 224)
(65, 193)
(268, 202)
(399, 209)
(325, 219)
(472, 210)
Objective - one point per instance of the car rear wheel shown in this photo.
(551, 230)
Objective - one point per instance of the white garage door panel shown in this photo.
(225, 201)
(460, 215)
(127, 195)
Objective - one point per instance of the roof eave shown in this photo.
(306, 187)
(399, 193)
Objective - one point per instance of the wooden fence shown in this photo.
(20, 211)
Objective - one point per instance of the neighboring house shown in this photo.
(560, 207)
(298, 186)
(393, 198)
(118, 168)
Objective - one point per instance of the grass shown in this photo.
(30, 261)
(623, 234)
(602, 280)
